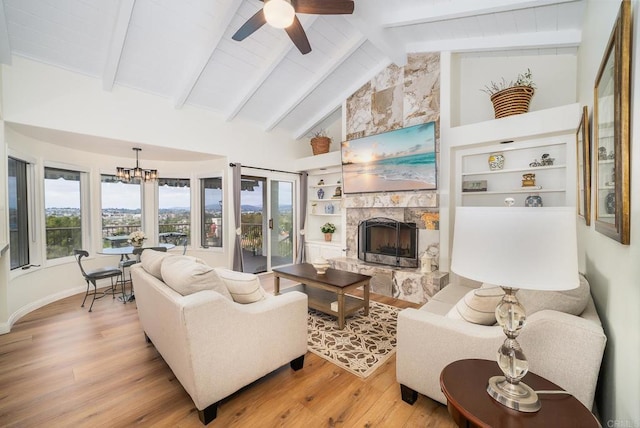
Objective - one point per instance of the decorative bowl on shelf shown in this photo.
(321, 265)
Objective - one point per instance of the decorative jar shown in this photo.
(533, 201)
(496, 161)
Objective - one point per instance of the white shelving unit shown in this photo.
(319, 213)
(555, 184)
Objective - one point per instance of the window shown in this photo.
(121, 210)
(211, 203)
(63, 214)
(174, 210)
(18, 213)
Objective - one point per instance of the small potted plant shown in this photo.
(320, 143)
(512, 97)
(328, 229)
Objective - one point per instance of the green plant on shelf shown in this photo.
(328, 228)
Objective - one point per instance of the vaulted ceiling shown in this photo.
(183, 50)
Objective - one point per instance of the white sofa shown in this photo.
(563, 348)
(214, 345)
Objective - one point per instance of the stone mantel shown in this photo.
(410, 284)
(417, 199)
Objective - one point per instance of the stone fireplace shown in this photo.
(397, 97)
(388, 242)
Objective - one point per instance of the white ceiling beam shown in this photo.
(116, 43)
(548, 39)
(5, 46)
(349, 48)
(337, 101)
(194, 72)
(366, 19)
(398, 17)
(279, 54)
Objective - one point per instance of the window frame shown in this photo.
(191, 236)
(85, 219)
(30, 224)
(99, 240)
(198, 210)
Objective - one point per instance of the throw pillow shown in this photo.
(152, 261)
(186, 276)
(244, 287)
(569, 301)
(478, 306)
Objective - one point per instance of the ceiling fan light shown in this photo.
(279, 13)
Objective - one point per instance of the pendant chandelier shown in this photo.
(137, 173)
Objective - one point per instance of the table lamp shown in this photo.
(528, 248)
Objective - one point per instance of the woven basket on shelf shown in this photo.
(320, 145)
(510, 101)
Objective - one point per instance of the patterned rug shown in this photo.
(365, 343)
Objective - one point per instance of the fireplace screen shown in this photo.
(389, 242)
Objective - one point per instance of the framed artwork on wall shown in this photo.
(583, 151)
(611, 132)
(398, 160)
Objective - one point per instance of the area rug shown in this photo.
(362, 346)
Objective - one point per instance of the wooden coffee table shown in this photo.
(464, 384)
(323, 290)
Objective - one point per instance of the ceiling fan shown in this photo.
(282, 14)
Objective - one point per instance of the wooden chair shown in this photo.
(94, 275)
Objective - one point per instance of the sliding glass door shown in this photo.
(267, 223)
(281, 223)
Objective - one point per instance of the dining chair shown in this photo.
(92, 276)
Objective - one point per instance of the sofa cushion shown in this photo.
(478, 306)
(152, 261)
(186, 276)
(569, 301)
(452, 293)
(244, 287)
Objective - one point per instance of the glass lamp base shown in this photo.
(519, 397)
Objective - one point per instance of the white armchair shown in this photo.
(563, 348)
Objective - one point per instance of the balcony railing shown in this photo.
(61, 241)
(252, 240)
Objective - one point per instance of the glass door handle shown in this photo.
(270, 223)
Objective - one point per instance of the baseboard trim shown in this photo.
(32, 306)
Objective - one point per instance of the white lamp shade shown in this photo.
(530, 248)
(278, 13)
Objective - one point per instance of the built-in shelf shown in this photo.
(506, 192)
(474, 171)
(506, 171)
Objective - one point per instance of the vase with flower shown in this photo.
(137, 238)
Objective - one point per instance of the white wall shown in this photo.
(45, 96)
(613, 269)
(553, 75)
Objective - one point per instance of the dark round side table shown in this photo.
(464, 383)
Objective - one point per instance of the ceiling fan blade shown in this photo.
(249, 27)
(298, 36)
(323, 7)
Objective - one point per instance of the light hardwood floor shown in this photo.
(63, 366)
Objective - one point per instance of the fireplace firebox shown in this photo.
(388, 242)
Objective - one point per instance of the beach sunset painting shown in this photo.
(399, 160)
